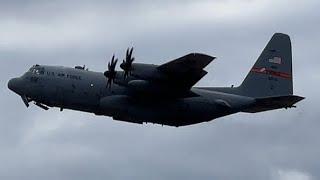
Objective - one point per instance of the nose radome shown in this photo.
(13, 84)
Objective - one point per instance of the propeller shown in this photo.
(126, 64)
(110, 74)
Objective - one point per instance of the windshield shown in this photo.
(36, 69)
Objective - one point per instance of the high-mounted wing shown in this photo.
(190, 62)
(172, 79)
(186, 71)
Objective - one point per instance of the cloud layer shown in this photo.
(281, 144)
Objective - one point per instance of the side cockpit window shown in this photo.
(37, 70)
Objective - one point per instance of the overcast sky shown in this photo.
(276, 145)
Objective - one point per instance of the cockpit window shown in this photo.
(37, 70)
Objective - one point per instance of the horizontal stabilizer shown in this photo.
(270, 103)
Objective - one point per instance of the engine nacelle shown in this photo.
(147, 87)
(147, 72)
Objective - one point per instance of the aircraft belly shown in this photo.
(177, 113)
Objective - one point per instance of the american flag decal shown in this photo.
(276, 60)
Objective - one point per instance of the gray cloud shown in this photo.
(71, 145)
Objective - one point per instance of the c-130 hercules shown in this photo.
(163, 94)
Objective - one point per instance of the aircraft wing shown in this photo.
(185, 71)
(172, 79)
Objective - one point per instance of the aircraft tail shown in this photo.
(269, 81)
(271, 75)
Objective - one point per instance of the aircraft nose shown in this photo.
(13, 85)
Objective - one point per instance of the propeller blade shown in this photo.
(110, 74)
(131, 52)
(127, 54)
(126, 64)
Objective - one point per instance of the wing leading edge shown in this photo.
(192, 61)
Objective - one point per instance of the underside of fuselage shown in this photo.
(178, 112)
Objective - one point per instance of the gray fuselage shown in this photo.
(79, 89)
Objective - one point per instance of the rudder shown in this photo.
(271, 75)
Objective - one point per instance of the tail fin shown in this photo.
(271, 75)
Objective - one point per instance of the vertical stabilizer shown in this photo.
(271, 75)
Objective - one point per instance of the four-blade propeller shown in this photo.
(110, 74)
(126, 64)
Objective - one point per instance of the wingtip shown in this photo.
(278, 34)
(205, 56)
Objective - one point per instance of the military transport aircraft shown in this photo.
(162, 94)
